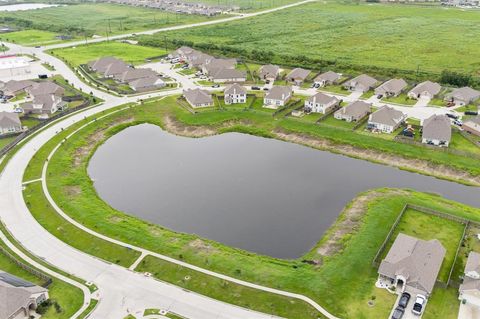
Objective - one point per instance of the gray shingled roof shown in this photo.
(198, 96)
(13, 86)
(321, 98)
(214, 65)
(364, 80)
(417, 260)
(278, 92)
(145, 82)
(465, 94)
(222, 74)
(102, 64)
(235, 88)
(8, 119)
(328, 76)
(428, 86)
(269, 70)
(132, 74)
(355, 109)
(115, 68)
(298, 74)
(437, 127)
(387, 115)
(46, 87)
(394, 86)
(15, 294)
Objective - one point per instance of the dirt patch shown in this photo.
(423, 166)
(200, 245)
(82, 152)
(179, 128)
(349, 221)
(115, 219)
(72, 191)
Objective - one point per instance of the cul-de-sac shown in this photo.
(239, 159)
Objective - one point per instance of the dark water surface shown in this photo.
(258, 194)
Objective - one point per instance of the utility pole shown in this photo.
(165, 39)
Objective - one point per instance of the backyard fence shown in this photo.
(32, 130)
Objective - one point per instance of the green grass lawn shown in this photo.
(129, 53)
(360, 34)
(248, 5)
(337, 89)
(30, 37)
(427, 227)
(401, 99)
(459, 142)
(89, 19)
(332, 121)
(5, 141)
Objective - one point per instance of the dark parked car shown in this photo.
(398, 313)
(403, 302)
(379, 96)
(255, 88)
(42, 76)
(452, 116)
(471, 113)
(266, 89)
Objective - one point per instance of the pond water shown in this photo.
(258, 194)
(26, 6)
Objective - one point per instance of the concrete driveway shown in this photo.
(422, 102)
(468, 311)
(408, 311)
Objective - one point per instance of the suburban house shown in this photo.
(13, 87)
(320, 103)
(196, 59)
(472, 126)
(19, 297)
(212, 66)
(425, 89)
(277, 96)
(44, 105)
(437, 130)
(361, 83)
(9, 123)
(146, 84)
(386, 119)
(44, 88)
(181, 53)
(134, 74)
(327, 78)
(297, 76)
(463, 96)
(228, 75)
(235, 94)
(102, 64)
(413, 264)
(115, 69)
(469, 290)
(198, 98)
(269, 72)
(393, 87)
(353, 111)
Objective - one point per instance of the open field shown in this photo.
(88, 19)
(361, 35)
(343, 281)
(248, 5)
(30, 37)
(130, 53)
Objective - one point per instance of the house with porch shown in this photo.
(386, 120)
(327, 78)
(353, 112)
(235, 94)
(361, 83)
(277, 96)
(269, 72)
(19, 297)
(463, 96)
(391, 88)
(412, 264)
(297, 76)
(320, 103)
(427, 89)
(437, 130)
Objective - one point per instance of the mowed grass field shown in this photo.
(130, 53)
(389, 36)
(91, 18)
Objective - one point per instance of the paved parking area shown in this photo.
(408, 311)
(36, 68)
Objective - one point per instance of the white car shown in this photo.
(419, 305)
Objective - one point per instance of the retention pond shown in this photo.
(258, 194)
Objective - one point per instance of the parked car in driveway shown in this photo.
(398, 313)
(216, 86)
(419, 305)
(404, 299)
(452, 116)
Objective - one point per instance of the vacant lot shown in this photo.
(128, 52)
(89, 19)
(387, 36)
(248, 5)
